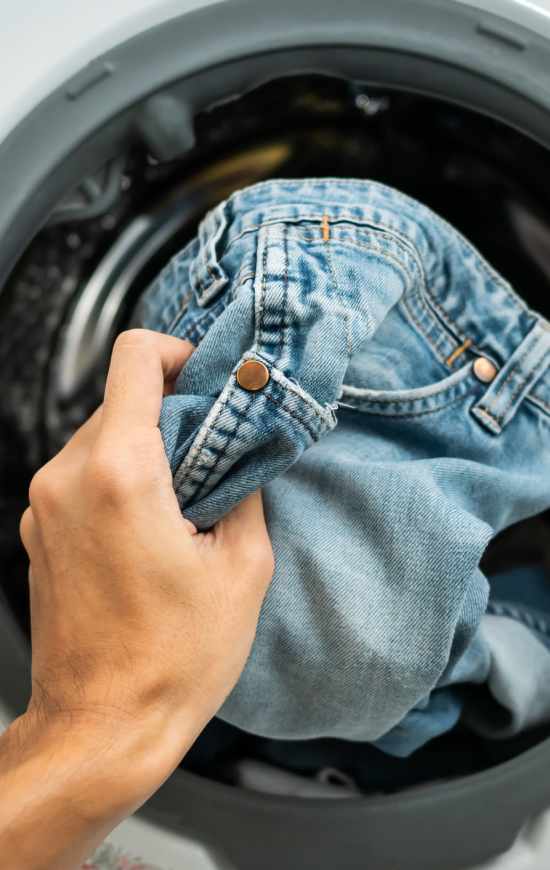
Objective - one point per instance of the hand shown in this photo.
(140, 625)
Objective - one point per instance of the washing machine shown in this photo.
(121, 123)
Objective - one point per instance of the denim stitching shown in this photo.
(365, 408)
(493, 423)
(380, 193)
(284, 384)
(347, 320)
(203, 435)
(544, 406)
(462, 383)
(196, 325)
(215, 451)
(383, 192)
(263, 329)
(229, 433)
(522, 385)
(183, 306)
(406, 294)
(262, 292)
(399, 240)
(313, 433)
(212, 430)
(284, 326)
(450, 324)
(238, 281)
(195, 333)
(531, 340)
(412, 316)
(490, 407)
(314, 219)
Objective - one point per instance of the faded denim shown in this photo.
(387, 465)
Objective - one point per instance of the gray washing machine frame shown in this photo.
(435, 47)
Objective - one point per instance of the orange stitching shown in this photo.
(458, 351)
(325, 226)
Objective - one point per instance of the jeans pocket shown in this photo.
(415, 401)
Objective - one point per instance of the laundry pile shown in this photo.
(389, 391)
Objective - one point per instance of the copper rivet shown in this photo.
(484, 370)
(252, 375)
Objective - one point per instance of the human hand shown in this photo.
(140, 625)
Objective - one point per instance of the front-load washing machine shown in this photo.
(121, 123)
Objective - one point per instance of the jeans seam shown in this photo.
(395, 238)
(419, 270)
(365, 409)
(314, 434)
(223, 451)
(412, 316)
(183, 306)
(307, 218)
(521, 385)
(196, 464)
(347, 319)
(465, 374)
(261, 296)
(198, 320)
(449, 323)
(381, 191)
(489, 408)
(284, 326)
(479, 409)
(544, 406)
(513, 369)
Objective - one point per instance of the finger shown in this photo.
(141, 363)
(27, 529)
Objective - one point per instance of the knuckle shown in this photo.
(44, 489)
(26, 527)
(109, 478)
(133, 337)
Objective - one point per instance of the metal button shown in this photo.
(484, 370)
(253, 375)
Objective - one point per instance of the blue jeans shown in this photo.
(360, 361)
(501, 685)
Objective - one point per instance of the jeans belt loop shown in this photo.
(208, 275)
(506, 392)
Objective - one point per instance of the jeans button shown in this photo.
(484, 370)
(252, 375)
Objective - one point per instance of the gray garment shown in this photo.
(268, 779)
(518, 681)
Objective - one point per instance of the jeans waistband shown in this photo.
(459, 301)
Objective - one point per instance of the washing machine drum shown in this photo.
(109, 175)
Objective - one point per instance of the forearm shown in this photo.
(65, 786)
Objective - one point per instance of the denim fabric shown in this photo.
(387, 465)
(509, 657)
(220, 747)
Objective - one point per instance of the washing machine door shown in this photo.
(80, 82)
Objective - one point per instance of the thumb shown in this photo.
(242, 536)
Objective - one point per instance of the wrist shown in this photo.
(60, 793)
(104, 768)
